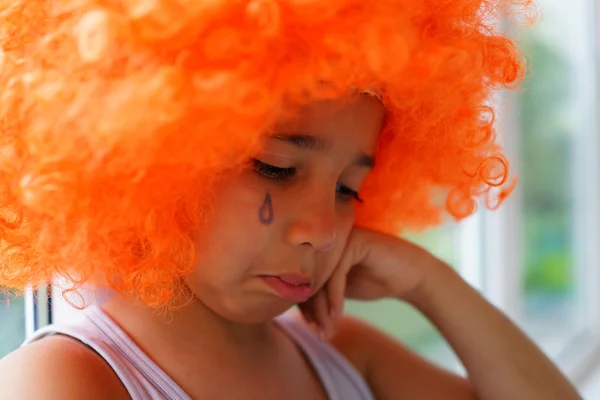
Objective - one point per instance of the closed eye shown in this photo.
(271, 172)
(278, 174)
(345, 193)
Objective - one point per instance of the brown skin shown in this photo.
(229, 326)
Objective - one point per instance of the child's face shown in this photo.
(290, 213)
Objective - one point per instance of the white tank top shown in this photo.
(144, 380)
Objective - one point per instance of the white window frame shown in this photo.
(585, 360)
(38, 309)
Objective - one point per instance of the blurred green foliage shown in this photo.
(546, 156)
(12, 322)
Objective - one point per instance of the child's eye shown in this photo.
(271, 172)
(345, 193)
(280, 174)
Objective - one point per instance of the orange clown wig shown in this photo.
(119, 117)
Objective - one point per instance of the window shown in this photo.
(12, 321)
(21, 315)
(557, 149)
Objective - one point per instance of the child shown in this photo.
(214, 163)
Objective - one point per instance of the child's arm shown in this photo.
(502, 363)
(393, 371)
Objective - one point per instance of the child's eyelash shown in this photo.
(271, 172)
(278, 174)
(345, 192)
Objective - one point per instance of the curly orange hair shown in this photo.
(119, 116)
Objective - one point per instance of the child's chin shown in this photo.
(260, 313)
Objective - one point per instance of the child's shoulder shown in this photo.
(58, 367)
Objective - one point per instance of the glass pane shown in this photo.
(12, 322)
(552, 117)
(401, 320)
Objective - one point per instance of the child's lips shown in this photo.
(295, 288)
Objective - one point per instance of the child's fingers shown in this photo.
(317, 313)
(313, 318)
(336, 286)
(308, 312)
(325, 323)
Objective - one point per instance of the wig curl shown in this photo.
(118, 117)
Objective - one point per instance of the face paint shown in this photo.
(265, 213)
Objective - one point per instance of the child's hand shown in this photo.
(373, 266)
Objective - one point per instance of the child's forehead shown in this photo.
(361, 104)
(351, 122)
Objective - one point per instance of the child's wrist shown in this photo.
(437, 278)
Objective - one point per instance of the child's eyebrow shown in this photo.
(306, 141)
(365, 160)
